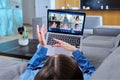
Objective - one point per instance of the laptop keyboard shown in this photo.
(69, 39)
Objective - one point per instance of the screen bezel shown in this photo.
(70, 12)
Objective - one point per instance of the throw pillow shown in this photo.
(116, 43)
(117, 40)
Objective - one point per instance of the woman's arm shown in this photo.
(35, 64)
(37, 61)
(83, 62)
(38, 57)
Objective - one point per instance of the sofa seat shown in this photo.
(99, 41)
(11, 69)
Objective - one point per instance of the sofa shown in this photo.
(102, 48)
(109, 69)
(11, 69)
(101, 43)
(90, 23)
(103, 36)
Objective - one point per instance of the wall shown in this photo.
(35, 8)
(28, 11)
(110, 17)
(10, 16)
(41, 7)
(72, 3)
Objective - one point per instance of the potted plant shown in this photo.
(23, 40)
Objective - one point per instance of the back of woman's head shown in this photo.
(60, 67)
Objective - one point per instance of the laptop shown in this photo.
(64, 25)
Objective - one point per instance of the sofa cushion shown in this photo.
(99, 41)
(106, 30)
(110, 68)
(117, 41)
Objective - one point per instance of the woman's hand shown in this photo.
(41, 35)
(64, 45)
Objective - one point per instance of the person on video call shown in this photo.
(65, 20)
(54, 17)
(58, 66)
(76, 27)
(77, 18)
(65, 26)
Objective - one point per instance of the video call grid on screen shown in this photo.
(66, 22)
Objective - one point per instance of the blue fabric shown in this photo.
(35, 64)
(65, 20)
(86, 66)
(38, 61)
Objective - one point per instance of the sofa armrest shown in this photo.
(106, 30)
(109, 69)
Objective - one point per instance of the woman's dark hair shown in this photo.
(76, 25)
(77, 18)
(60, 67)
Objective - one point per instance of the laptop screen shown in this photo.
(61, 21)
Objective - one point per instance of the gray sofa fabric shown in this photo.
(101, 44)
(102, 50)
(110, 68)
(103, 36)
(117, 40)
(93, 21)
(10, 69)
(90, 23)
(106, 30)
(116, 43)
(99, 41)
(95, 55)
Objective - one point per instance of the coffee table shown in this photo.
(13, 49)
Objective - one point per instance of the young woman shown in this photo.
(59, 66)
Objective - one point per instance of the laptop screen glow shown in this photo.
(65, 22)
